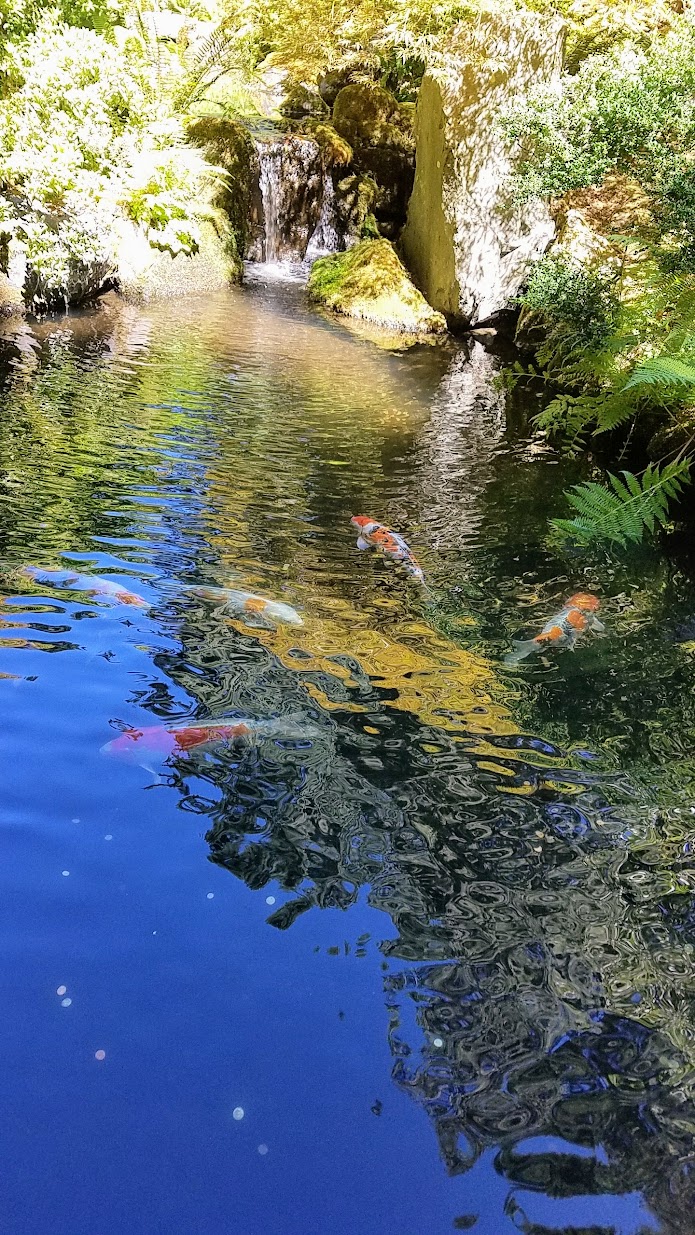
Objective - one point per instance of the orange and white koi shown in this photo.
(248, 604)
(577, 617)
(373, 535)
(92, 585)
(159, 743)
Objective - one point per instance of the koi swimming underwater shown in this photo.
(158, 743)
(247, 604)
(563, 629)
(92, 585)
(373, 535)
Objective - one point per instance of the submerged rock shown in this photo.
(370, 282)
(469, 244)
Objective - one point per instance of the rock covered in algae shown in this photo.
(368, 115)
(369, 281)
(228, 145)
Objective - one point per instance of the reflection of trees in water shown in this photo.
(510, 911)
(526, 919)
(457, 449)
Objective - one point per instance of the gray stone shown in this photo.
(468, 244)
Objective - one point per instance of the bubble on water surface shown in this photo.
(66, 873)
(262, 1149)
(238, 1112)
(108, 836)
(210, 895)
(270, 900)
(100, 1055)
(62, 990)
(65, 1003)
(437, 1041)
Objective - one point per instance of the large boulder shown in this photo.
(370, 282)
(380, 132)
(146, 273)
(368, 115)
(469, 244)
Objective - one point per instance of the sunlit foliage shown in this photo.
(84, 142)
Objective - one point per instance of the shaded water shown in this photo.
(429, 969)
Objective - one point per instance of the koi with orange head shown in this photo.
(373, 535)
(562, 630)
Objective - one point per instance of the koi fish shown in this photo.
(159, 743)
(563, 629)
(248, 604)
(92, 585)
(373, 535)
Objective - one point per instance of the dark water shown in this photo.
(439, 954)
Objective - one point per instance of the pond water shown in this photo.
(419, 961)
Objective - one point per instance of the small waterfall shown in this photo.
(270, 184)
(327, 237)
(299, 209)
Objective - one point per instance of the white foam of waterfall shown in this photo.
(326, 238)
(270, 181)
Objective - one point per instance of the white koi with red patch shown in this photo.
(247, 604)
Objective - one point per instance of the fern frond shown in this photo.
(224, 50)
(613, 410)
(623, 510)
(661, 371)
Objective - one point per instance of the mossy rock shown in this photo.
(370, 282)
(301, 101)
(227, 144)
(337, 152)
(367, 115)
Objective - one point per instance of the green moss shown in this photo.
(227, 145)
(336, 150)
(370, 282)
(368, 115)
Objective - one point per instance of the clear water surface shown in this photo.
(427, 969)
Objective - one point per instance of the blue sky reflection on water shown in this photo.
(436, 1031)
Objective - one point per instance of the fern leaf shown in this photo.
(661, 371)
(623, 510)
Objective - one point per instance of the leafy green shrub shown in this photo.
(629, 110)
(579, 301)
(84, 142)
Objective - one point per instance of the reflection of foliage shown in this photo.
(538, 970)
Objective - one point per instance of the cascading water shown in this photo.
(299, 205)
(270, 160)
